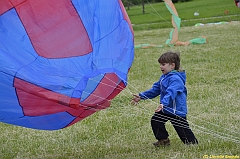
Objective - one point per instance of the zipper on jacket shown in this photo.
(174, 106)
(162, 89)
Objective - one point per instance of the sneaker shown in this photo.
(163, 142)
(191, 142)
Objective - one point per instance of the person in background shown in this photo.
(237, 2)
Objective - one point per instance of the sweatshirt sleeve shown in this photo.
(175, 85)
(151, 93)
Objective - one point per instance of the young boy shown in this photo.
(173, 101)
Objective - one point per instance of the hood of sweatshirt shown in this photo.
(181, 74)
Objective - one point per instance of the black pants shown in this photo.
(179, 123)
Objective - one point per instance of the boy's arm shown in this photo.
(151, 93)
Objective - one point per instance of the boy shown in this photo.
(173, 101)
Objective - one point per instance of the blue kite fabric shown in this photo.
(61, 60)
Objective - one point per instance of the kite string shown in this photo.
(150, 99)
(188, 115)
(153, 8)
(157, 12)
(217, 134)
(121, 88)
(204, 128)
(214, 133)
(145, 10)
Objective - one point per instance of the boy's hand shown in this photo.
(160, 107)
(135, 99)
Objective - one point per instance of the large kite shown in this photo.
(61, 60)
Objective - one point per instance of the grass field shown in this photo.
(123, 131)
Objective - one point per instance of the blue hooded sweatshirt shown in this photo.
(173, 93)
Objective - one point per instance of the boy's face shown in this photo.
(167, 67)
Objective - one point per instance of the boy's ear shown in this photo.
(173, 66)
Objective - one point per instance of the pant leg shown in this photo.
(158, 121)
(183, 130)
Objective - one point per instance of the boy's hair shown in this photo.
(170, 57)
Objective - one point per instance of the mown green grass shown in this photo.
(123, 131)
(157, 16)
